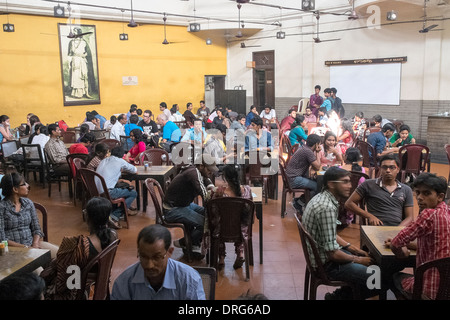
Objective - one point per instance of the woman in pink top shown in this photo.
(346, 137)
(139, 146)
(330, 154)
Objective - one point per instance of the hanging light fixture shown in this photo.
(132, 24)
(8, 27)
(58, 11)
(281, 34)
(123, 36)
(208, 40)
(194, 27)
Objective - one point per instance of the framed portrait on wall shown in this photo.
(79, 64)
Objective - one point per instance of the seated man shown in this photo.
(188, 115)
(148, 126)
(92, 121)
(57, 151)
(287, 121)
(380, 121)
(197, 134)
(431, 231)
(118, 129)
(179, 206)
(268, 113)
(85, 144)
(297, 169)
(378, 140)
(342, 261)
(111, 169)
(389, 202)
(257, 138)
(170, 132)
(309, 116)
(157, 276)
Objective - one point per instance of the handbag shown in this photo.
(124, 185)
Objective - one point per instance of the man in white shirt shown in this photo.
(268, 113)
(111, 169)
(118, 128)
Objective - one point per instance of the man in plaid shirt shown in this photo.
(432, 231)
(341, 260)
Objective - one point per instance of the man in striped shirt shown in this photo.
(432, 231)
(341, 260)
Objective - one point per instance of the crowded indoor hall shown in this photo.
(166, 150)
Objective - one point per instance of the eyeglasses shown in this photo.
(389, 167)
(156, 259)
(346, 181)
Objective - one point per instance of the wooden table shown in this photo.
(372, 238)
(257, 199)
(159, 173)
(23, 260)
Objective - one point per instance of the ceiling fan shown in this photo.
(317, 38)
(71, 34)
(429, 28)
(243, 46)
(165, 38)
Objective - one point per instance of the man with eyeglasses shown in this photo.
(157, 276)
(388, 202)
(342, 261)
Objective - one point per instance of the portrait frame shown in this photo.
(79, 64)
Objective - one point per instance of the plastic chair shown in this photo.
(102, 265)
(126, 143)
(40, 208)
(355, 177)
(443, 267)
(68, 136)
(287, 188)
(311, 125)
(76, 178)
(157, 156)
(111, 143)
(369, 157)
(158, 198)
(370, 130)
(33, 161)
(209, 276)
(315, 277)
(413, 159)
(447, 150)
(89, 178)
(226, 217)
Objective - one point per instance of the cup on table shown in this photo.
(145, 165)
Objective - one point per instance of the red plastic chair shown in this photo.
(413, 159)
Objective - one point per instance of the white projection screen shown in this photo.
(367, 84)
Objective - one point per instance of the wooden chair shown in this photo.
(76, 178)
(355, 177)
(157, 195)
(413, 160)
(447, 151)
(89, 178)
(443, 267)
(99, 134)
(209, 276)
(226, 216)
(43, 211)
(370, 130)
(316, 276)
(68, 136)
(101, 265)
(52, 177)
(111, 143)
(311, 125)
(126, 143)
(157, 156)
(33, 161)
(369, 157)
(255, 172)
(287, 188)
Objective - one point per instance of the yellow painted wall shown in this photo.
(30, 70)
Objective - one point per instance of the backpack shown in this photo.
(62, 125)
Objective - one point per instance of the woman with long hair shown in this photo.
(5, 129)
(330, 154)
(347, 135)
(297, 133)
(232, 188)
(139, 146)
(79, 250)
(19, 224)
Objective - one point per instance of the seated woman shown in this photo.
(403, 137)
(85, 144)
(232, 188)
(101, 152)
(5, 129)
(19, 223)
(330, 154)
(297, 133)
(79, 250)
(84, 128)
(346, 137)
(40, 137)
(139, 146)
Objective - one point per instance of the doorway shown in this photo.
(264, 79)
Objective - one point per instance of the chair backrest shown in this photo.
(32, 153)
(157, 199)
(311, 125)
(68, 136)
(40, 208)
(89, 178)
(227, 214)
(126, 143)
(111, 143)
(259, 162)
(443, 267)
(155, 155)
(368, 153)
(208, 275)
(71, 161)
(284, 177)
(370, 130)
(286, 144)
(103, 263)
(412, 158)
(309, 246)
(99, 134)
(8, 148)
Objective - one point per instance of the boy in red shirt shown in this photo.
(85, 143)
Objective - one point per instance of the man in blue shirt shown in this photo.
(378, 139)
(156, 276)
(133, 124)
(257, 138)
(329, 101)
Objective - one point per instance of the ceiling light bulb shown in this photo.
(208, 41)
(391, 15)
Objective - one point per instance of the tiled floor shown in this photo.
(281, 276)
